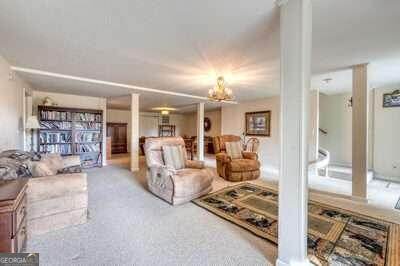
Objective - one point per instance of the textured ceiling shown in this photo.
(182, 45)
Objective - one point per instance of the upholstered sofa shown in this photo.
(57, 194)
(175, 186)
(245, 168)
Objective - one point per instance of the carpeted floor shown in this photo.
(130, 226)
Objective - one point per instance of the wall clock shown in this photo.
(207, 124)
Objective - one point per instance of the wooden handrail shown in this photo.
(323, 131)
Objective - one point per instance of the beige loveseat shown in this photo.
(175, 186)
(56, 201)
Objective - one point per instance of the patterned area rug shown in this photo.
(335, 236)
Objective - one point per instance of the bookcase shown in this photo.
(72, 131)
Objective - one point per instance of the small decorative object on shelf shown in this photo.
(72, 131)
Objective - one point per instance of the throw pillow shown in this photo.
(13, 169)
(174, 156)
(234, 149)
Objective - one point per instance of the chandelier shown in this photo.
(219, 92)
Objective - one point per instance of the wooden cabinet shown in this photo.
(118, 134)
(13, 215)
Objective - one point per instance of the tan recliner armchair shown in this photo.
(175, 186)
(235, 170)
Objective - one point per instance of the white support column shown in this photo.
(200, 131)
(296, 36)
(360, 132)
(134, 132)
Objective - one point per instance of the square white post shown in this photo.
(200, 131)
(296, 37)
(134, 132)
(360, 132)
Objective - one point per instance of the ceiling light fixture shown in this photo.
(219, 93)
(164, 112)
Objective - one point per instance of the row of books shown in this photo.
(56, 148)
(87, 147)
(55, 125)
(49, 137)
(87, 137)
(89, 125)
(55, 115)
(87, 117)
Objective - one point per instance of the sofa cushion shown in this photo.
(54, 161)
(241, 165)
(174, 156)
(191, 181)
(234, 149)
(41, 168)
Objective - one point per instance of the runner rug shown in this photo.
(335, 236)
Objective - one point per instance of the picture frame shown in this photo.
(391, 99)
(258, 123)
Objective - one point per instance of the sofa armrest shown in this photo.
(194, 164)
(223, 157)
(250, 155)
(161, 176)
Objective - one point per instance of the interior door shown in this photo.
(118, 134)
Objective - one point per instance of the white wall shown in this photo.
(233, 122)
(335, 117)
(190, 127)
(12, 117)
(148, 122)
(386, 138)
(74, 101)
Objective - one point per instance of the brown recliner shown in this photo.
(235, 170)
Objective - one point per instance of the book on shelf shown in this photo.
(49, 137)
(56, 148)
(83, 136)
(87, 117)
(87, 148)
(55, 115)
(55, 125)
(88, 125)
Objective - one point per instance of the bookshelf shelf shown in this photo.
(72, 131)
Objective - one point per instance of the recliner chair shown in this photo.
(247, 168)
(175, 186)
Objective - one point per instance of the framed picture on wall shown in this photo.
(258, 123)
(391, 99)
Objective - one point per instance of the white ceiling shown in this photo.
(181, 45)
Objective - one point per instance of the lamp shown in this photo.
(32, 123)
(219, 92)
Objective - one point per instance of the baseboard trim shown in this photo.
(292, 263)
(359, 199)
